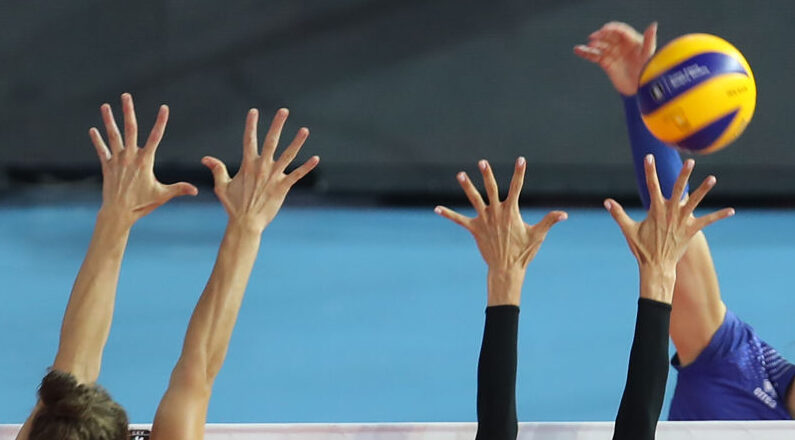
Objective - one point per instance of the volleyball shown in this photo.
(697, 93)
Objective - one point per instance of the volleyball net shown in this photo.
(778, 430)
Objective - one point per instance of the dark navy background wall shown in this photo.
(398, 94)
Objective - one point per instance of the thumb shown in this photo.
(220, 175)
(550, 220)
(650, 40)
(179, 189)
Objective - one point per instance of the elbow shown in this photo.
(193, 373)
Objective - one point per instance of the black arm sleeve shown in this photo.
(648, 371)
(497, 375)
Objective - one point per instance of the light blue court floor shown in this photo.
(364, 315)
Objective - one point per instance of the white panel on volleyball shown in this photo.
(466, 431)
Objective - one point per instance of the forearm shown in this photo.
(214, 317)
(88, 316)
(496, 401)
(647, 374)
(643, 143)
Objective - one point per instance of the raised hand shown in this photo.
(506, 242)
(253, 197)
(621, 52)
(660, 240)
(129, 187)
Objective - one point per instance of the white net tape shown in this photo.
(466, 431)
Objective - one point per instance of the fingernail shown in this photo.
(649, 159)
(608, 205)
(711, 180)
(520, 161)
(562, 217)
(437, 210)
(689, 163)
(461, 176)
(482, 164)
(731, 212)
(252, 110)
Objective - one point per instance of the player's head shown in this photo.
(72, 411)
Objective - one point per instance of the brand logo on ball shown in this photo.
(686, 75)
(657, 92)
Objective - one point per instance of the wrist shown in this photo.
(115, 218)
(657, 282)
(505, 286)
(251, 220)
(246, 225)
(244, 229)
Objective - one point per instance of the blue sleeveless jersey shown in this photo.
(736, 377)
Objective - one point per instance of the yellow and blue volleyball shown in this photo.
(697, 93)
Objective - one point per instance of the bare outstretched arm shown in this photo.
(251, 199)
(658, 243)
(129, 192)
(508, 245)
